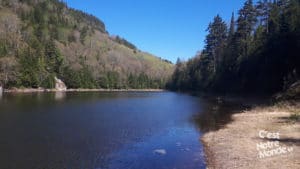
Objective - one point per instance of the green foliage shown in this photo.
(215, 40)
(232, 27)
(83, 34)
(44, 27)
(245, 24)
(257, 57)
(49, 81)
(54, 58)
(94, 22)
(30, 67)
(124, 42)
(142, 81)
(79, 79)
(110, 80)
(3, 49)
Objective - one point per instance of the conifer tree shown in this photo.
(216, 40)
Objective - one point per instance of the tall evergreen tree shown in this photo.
(263, 8)
(245, 26)
(230, 53)
(53, 57)
(232, 27)
(216, 40)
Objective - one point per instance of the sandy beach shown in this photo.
(262, 137)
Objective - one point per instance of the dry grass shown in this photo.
(234, 146)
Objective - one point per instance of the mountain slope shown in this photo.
(41, 39)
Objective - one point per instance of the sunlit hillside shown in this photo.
(41, 39)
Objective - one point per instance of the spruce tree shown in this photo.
(232, 26)
(216, 40)
(245, 27)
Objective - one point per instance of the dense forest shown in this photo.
(43, 39)
(258, 52)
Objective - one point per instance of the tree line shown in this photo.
(257, 52)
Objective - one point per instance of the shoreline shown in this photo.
(41, 90)
(235, 145)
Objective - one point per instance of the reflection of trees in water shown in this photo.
(216, 114)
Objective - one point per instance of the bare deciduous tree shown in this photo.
(10, 33)
(7, 69)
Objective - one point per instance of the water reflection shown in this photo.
(99, 130)
(214, 116)
(59, 95)
(217, 112)
(1, 92)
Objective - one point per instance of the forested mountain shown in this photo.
(41, 39)
(257, 52)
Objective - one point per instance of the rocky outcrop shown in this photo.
(60, 85)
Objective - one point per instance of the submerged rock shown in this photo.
(160, 151)
(60, 85)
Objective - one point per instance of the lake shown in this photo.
(99, 130)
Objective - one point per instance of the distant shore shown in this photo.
(33, 90)
(240, 145)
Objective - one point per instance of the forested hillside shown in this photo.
(257, 52)
(41, 39)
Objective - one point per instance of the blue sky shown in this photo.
(165, 28)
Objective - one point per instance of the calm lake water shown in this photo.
(114, 130)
